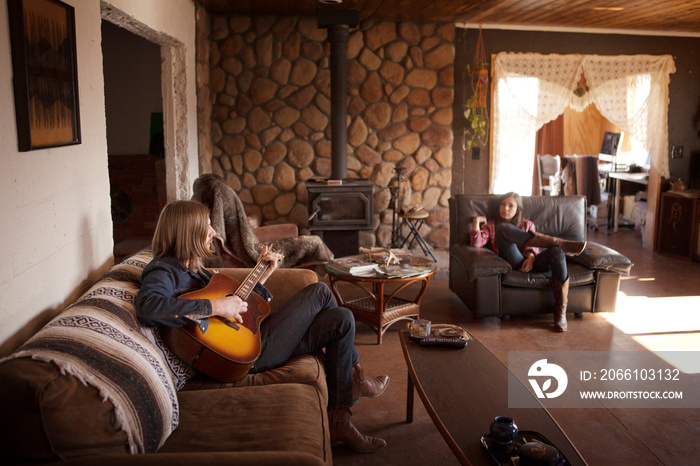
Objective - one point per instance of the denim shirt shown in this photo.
(162, 281)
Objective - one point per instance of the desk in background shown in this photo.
(639, 178)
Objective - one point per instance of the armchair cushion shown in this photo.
(578, 276)
(479, 262)
(597, 256)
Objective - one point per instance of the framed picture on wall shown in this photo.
(45, 73)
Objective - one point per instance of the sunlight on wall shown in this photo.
(661, 324)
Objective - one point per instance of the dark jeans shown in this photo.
(510, 241)
(304, 325)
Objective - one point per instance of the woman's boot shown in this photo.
(561, 298)
(368, 387)
(571, 248)
(343, 431)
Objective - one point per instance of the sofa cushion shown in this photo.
(282, 417)
(49, 416)
(578, 276)
(283, 284)
(302, 369)
(98, 341)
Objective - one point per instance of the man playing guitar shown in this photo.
(307, 323)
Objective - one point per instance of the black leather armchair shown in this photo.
(490, 288)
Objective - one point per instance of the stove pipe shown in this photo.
(338, 22)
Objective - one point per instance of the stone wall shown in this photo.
(264, 109)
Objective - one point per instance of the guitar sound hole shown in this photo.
(229, 295)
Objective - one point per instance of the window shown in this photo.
(533, 89)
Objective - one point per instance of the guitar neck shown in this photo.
(251, 280)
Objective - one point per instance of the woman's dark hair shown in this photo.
(517, 219)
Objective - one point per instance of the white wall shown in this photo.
(56, 226)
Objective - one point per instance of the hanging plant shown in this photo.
(476, 111)
(477, 116)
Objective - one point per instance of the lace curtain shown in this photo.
(532, 89)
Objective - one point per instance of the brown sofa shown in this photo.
(95, 387)
(490, 288)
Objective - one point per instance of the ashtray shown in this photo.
(509, 454)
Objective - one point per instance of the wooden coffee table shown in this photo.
(463, 390)
(381, 307)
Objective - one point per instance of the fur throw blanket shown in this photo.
(230, 221)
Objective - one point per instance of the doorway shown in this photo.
(135, 143)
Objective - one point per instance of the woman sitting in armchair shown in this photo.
(514, 238)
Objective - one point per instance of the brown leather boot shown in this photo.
(368, 387)
(561, 298)
(571, 248)
(343, 431)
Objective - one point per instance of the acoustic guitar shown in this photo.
(226, 349)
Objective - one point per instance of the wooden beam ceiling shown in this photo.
(657, 16)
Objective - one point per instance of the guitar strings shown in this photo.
(248, 284)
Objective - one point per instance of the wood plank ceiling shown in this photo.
(656, 16)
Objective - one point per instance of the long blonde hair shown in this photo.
(182, 232)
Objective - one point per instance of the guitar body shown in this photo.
(228, 349)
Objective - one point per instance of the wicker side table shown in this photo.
(381, 307)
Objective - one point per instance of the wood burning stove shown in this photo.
(341, 207)
(340, 212)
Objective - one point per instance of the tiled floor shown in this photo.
(657, 309)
